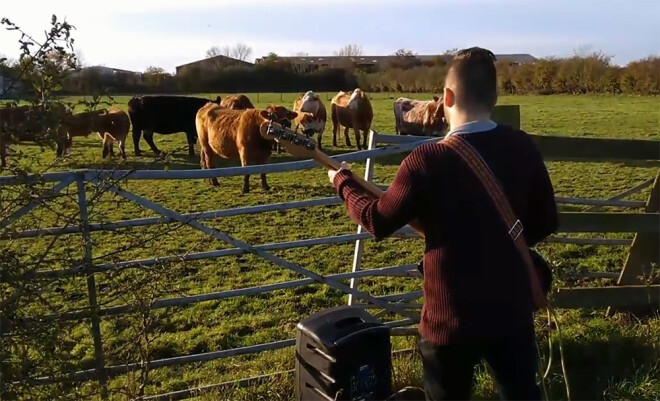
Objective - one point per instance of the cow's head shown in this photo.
(279, 114)
(434, 116)
(308, 123)
(310, 102)
(356, 98)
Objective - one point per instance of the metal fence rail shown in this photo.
(393, 303)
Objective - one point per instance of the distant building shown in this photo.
(212, 64)
(106, 72)
(370, 62)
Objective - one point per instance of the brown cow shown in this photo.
(419, 117)
(237, 102)
(351, 110)
(230, 133)
(112, 126)
(78, 125)
(311, 114)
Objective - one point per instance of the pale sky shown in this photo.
(135, 34)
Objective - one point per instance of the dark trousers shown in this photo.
(449, 369)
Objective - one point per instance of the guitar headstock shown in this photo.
(298, 145)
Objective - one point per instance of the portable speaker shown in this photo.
(343, 353)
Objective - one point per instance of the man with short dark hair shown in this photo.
(478, 299)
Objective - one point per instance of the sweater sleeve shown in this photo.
(543, 218)
(381, 217)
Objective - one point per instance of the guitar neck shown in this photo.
(299, 145)
(333, 164)
(370, 187)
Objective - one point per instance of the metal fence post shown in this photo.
(359, 244)
(91, 289)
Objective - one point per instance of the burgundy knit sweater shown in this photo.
(476, 287)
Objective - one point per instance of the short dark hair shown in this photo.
(473, 71)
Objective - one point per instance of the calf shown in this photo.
(164, 115)
(78, 125)
(237, 102)
(419, 117)
(230, 133)
(112, 126)
(311, 114)
(351, 110)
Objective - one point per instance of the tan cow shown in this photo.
(227, 133)
(311, 114)
(78, 125)
(237, 102)
(351, 110)
(419, 117)
(112, 126)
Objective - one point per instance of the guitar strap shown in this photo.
(494, 190)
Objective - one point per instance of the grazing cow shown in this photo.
(229, 133)
(112, 126)
(164, 115)
(311, 114)
(78, 125)
(419, 117)
(237, 102)
(351, 110)
(39, 124)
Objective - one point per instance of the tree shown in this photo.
(155, 70)
(404, 53)
(270, 59)
(404, 59)
(213, 51)
(352, 50)
(155, 78)
(240, 51)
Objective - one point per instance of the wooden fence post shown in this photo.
(91, 290)
(645, 249)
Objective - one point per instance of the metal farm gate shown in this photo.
(626, 290)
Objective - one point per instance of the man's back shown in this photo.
(475, 282)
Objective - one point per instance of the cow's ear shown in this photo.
(291, 115)
(218, 99)
(435, 98)
(265, 114)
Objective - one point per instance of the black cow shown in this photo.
(164, 115)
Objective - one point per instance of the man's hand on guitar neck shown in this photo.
(333, 173)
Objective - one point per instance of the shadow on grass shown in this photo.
(615, 369)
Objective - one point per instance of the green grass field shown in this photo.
(607, 358)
